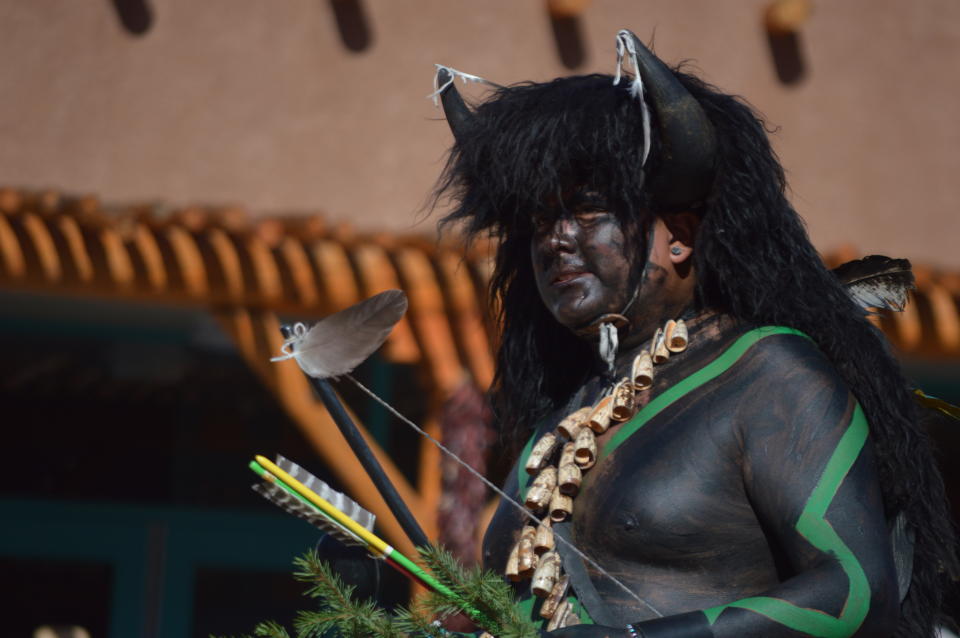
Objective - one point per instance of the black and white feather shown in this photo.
(280, 497)
(877, 282)
(339, 343)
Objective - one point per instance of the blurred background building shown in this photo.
(178, 179)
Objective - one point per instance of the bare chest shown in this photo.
(671, 493)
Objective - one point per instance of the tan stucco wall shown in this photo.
(259, 103)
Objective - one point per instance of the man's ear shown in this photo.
(682, 228)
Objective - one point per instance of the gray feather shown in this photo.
(902, 542)
(339, 343)
(338, 499)
(877, 281)
(280, 497)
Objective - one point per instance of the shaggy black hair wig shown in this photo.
(519, 155)
(529, 143)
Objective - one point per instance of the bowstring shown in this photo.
(523, 510)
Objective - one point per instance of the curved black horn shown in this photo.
(688, 143)
(456, 110)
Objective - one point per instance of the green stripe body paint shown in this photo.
(813, 526)
(707, 373)
(671, 395)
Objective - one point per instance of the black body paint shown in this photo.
(699, 508)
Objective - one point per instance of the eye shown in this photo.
(591, 215)
(541, 222)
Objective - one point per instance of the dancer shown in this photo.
(694, 400)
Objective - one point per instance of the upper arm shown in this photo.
(808, 470)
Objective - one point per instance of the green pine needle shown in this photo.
(326, 583)
(486, 591)
(417, 622)
(270, 629)
(350, 618)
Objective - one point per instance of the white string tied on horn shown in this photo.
(438, 89)
(506, 497)
(626, 45)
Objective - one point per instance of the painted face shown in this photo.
(580, 262)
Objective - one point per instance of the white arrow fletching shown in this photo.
(280, 497)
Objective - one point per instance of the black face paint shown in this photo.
(638, 274)
(581, 261)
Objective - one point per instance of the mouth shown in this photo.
(567, 277)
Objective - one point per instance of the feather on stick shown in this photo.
(339, 343)
(877, 281)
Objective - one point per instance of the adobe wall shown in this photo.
(261, 103)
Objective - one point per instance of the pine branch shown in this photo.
(487, 587)
(416, 621)
(437, 605)
(326, 583)
(358, 620)
(266, 629)
(352, 618)
(270, 629)
(485, 591)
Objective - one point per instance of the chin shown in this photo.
(577, 318)
(577, 307)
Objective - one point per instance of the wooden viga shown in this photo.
(557, 462)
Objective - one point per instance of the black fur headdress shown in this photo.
(520, 150)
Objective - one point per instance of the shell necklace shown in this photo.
(573, 447)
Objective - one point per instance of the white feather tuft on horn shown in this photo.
(626, 45)
(454, 74)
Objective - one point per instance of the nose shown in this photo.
(562, 238)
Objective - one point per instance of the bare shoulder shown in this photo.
(789, 388)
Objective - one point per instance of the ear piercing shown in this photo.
(675, 250)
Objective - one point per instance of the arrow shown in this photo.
(320, 512)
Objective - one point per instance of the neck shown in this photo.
(644, 326)
(698, 324)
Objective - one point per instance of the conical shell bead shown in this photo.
(543, 541)
(526, 557)
(677, 338)
(600, 417)
(660, 352)
(538, 497)
(585, 449)
(572, 423)
(642, 373)
(541, 452)
(622, 401)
